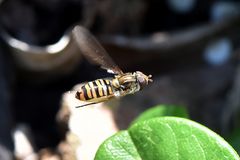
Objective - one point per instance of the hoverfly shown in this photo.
(101, 90)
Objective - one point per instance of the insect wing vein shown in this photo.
(93, 50)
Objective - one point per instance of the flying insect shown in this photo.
(101, 90)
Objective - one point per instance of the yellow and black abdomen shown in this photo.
(96, 91)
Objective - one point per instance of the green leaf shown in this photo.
(162, 110)
(167, 138)
(118, 147)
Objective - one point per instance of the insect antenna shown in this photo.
(149, 78)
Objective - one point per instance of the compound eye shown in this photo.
(141, 80)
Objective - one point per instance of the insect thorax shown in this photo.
(125, 84)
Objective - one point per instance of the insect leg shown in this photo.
(85, 105)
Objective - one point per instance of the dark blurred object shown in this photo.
(38, 22)
(224, 9)
(6, 117)
(166, 15)
(44, 63)
(42, 49)
(232, 106)
(168, 50)
(44, 23)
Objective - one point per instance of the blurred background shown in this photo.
(191, 47)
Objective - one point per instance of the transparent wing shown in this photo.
(93, 50)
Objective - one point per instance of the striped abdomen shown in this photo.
(96, 91)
